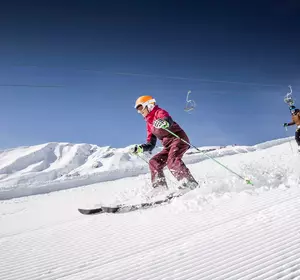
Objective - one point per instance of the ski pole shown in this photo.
(241, 177)
(140, 157)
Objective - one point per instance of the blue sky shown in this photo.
(76, 53)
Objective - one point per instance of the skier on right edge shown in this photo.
(295, 121)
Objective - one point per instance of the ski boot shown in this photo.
(159, 187)
(188, 184)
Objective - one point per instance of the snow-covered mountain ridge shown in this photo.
(54, 166)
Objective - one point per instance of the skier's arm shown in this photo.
(151, 140)
(169, 120)
(165, 116)
(289, 124)
(150, 145)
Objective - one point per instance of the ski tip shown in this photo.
(90, 211)
(102, 209)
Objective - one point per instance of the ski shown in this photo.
(124, 208)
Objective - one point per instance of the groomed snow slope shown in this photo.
(224, 230)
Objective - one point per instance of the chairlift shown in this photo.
(288, 99)
(190, 104)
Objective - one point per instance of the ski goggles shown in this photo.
(140, 107)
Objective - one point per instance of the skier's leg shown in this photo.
(157, 164)
(177, 166)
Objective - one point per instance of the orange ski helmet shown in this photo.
(145, 101)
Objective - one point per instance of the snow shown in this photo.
(224, 230)
(56, 166)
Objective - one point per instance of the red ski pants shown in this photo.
(171, 157)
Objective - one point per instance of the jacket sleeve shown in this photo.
(164, 115)
(291, 123)
(151, 140)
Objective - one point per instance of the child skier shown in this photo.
(295, 121)
(158, 120)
